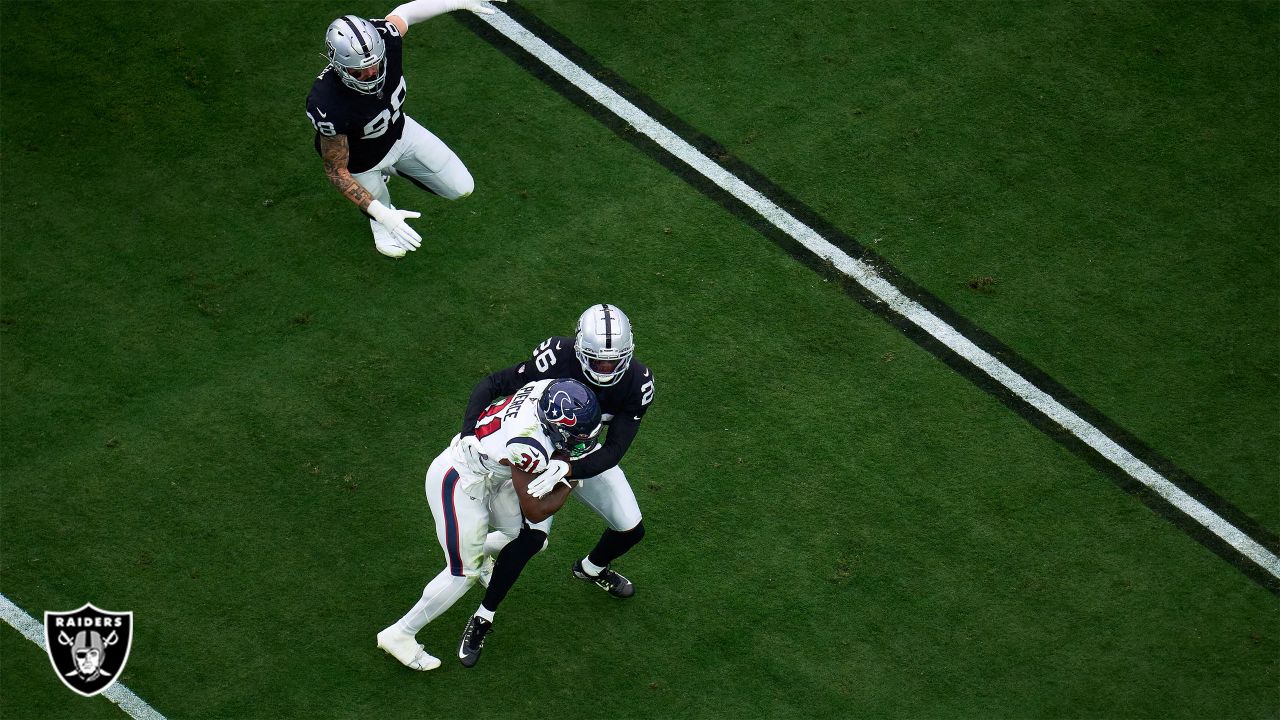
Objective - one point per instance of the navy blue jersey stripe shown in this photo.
(452, 545)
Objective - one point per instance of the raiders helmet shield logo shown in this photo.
(88, 647)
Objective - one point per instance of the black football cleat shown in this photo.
(608, 580)
(473, 640)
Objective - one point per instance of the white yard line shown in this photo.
(33, 629)
(887, 292)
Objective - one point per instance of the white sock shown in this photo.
(591, 568)
(484, 612)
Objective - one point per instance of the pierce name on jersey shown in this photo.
(372, 123)
(509, 429)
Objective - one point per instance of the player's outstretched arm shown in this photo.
(418, 10)
(336, 152)
(536, 510)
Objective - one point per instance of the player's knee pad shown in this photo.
(454, 181)
(538, 539)
(627, 539)
(466, 186)
(528, 543)
(635, 534)
(498, 539)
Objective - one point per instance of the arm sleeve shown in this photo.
(419, 10)
(503, 382)
(622, 430)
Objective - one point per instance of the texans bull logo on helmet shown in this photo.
(560, 409)
(571, 415)
(88, 646)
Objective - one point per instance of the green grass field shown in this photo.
(217, 401)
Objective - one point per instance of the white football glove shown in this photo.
(473, 453)
(393, 220)
(545, 481)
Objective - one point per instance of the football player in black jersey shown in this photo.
(362, 132)
(600, 356)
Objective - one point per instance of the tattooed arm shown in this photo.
(336, 152)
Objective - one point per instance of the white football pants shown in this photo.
(423, 159)
(610, 496)
(464, 511)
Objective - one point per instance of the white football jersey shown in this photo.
(509, 430)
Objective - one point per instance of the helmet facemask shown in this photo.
(354, 47)
(575, 445)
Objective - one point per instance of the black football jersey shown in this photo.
(624, 403)
(554, 358)
(372, 123)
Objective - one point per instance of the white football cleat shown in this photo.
(402, 646)
(385, 242)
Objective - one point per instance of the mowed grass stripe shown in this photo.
(896, 300)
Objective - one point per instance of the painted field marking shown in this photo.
(886, 291)
(33, 630)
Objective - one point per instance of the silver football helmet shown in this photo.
(357, 53)
(604, 344)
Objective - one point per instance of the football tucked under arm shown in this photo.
(537, 509)
(555, 474)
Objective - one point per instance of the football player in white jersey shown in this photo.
(601, 356)
(362, 131)
(514, 490)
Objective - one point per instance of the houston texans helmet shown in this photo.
(571, 415)
(357, 53)
(604, 345)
